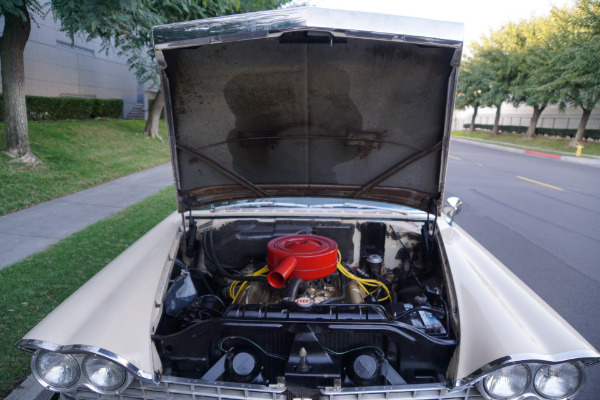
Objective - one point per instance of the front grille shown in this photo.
(412, 392)
(172, 388)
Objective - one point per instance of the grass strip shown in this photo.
(547, 144)
(76, 155)
(35, 286)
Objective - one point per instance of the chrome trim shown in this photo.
(409, 214)
(525, 393)
(82, 380)
(190, 389)
(585, 357)
(531, 390)
(31, 346)
(44, 383)
(88, 383)
(432, 391)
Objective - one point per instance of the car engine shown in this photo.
(308, 303)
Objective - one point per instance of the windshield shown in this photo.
(312, 203)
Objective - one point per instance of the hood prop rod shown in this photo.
(396, 168)
(239, 179)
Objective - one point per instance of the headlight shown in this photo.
(507, 382)
(105, 375)
(558, 381)
(56, 369)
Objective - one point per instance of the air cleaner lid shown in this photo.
(315, 256)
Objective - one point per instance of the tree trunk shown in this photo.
(537, 111)
(151, 128)
(472, 126)
(12, 46)
(496, 129)
(581, 130)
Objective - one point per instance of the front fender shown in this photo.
(116, 312)
(501, 319)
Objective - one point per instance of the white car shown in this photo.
(310, 257)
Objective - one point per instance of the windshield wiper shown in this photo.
(258, 204)
(361, 206)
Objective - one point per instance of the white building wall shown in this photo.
(53, 68)
(552, 117)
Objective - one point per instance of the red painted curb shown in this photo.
(539, 154)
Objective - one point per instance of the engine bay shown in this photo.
(309, 303)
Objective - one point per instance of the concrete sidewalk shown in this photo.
(32, 230)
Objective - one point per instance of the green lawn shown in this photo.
(545, 143)
(75, 156)
(33, 287)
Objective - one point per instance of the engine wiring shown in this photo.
(236, 287)
(376, 348)
(416, 309)
(251, 342)
(341, 353)
(362, 282)
(234, 290)
(409, 258)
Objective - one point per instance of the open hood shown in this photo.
(309, 102)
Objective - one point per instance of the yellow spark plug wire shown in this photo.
(234, 291)
(362, 282)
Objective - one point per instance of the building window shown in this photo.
(74, 48)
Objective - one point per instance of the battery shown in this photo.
(424, 321)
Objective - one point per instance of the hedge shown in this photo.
(61, 108)
(562, 132)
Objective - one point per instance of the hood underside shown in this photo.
(274, 104)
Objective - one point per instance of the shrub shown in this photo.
(562, 132)
(61, 108)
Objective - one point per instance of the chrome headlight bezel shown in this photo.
(528, 378)
(578, 388)
(112, 389)
(531, 391)
(82, 380)
(35, 368)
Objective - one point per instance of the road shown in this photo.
(541, 218)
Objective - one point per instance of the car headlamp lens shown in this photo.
(56, 369)
(507, 382)
(558, 381)
(105, 375)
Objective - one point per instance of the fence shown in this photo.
(550, 121)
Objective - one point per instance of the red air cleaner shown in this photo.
(304, 256)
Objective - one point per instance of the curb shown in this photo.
(574, 160)
(30, 389)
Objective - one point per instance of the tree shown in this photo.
(469, 88)
(574, 57)
(127, 25)
(528, 45)
(497, 72)
(17, 26)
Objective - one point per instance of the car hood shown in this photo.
(309, 102)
